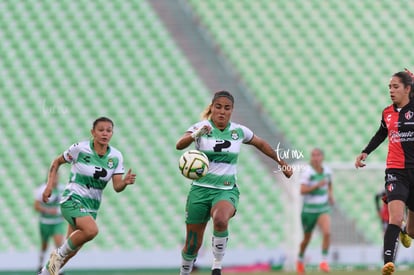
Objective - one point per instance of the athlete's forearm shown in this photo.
(376, 140)
(52, 175)
(118, 183)
(184, 141)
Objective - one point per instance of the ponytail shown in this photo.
(206, 114)
(412, 82)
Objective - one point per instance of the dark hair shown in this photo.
(406, 80)
(102, 119)
(223, 94)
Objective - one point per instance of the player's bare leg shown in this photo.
(221, 213)
(193, 242)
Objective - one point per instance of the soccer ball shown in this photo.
(193, 164)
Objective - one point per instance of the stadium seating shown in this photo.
(296, 66)
(317, 72)
(64, 64)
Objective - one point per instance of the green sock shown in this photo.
(301, 257)
(324, 254)
(221, 234)
(66, 248)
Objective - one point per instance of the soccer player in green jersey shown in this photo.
(51, 222)
(94, 163)
(317, 191)
(216, 195)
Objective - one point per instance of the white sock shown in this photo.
(44, 271)
(219, 248)
(186, 266)
(324, 258)
(65, 249)
(41, 257)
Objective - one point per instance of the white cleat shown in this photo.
(55, 262)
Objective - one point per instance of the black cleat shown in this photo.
(216, 271)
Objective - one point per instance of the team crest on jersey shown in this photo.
(409, 115)
(110, 163)
(390, 187)
(391, 177)
(70, 158)
(234, 135)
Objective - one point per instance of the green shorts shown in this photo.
(200, 200)
(72, 209)
(47, 231)
(309, 220)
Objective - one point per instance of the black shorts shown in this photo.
(399, 185)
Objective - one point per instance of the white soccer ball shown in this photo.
(193, 164)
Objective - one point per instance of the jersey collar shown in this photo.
(93, 149)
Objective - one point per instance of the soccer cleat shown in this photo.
(55, 262)
(388, 269)
(324, 266)
(404, 238)
(216, 271)
(300, 268)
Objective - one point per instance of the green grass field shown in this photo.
(169, 272)
(360, 272)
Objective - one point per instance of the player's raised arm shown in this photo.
(266, 149)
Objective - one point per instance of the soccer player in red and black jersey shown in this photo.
(397, 124)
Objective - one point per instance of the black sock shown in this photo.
(390, 242)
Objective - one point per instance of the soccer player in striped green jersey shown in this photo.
(94, 163)
(316, 188)
(52, 225)
(216, 195)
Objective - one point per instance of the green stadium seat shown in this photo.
(332, 85)
(120, 61)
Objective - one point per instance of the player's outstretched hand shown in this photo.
(46, 194)
(201, 131)
(129, 177)
(287, 170)
(359, 162)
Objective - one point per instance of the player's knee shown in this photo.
(397, 219)
(220, 224)
(91, 233)
(326, 234)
